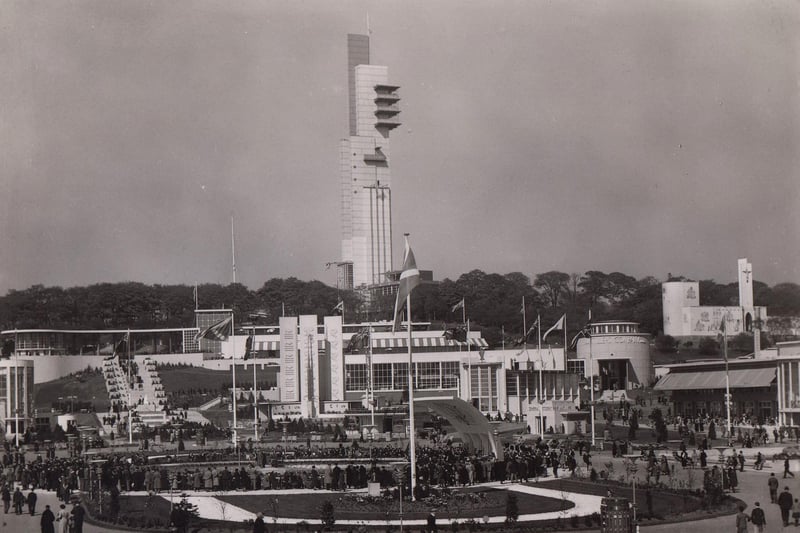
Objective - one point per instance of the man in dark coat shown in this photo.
(6, 496)
(48, 520)
(785, 501)
(19, 501)
(78, 513)
(258, 524)
(31, 499)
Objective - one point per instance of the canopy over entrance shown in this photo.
(473, 427)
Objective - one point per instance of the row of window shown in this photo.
(394, 376)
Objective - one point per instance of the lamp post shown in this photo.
(633, 468)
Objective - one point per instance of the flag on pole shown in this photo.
(409, 279)
(339, 307)
(248, 347)
(457, 333)
(120, 346)
(524, 338)
(584, 332)
(724, 332)
(217, 332)
(459, 305)
(557, 326)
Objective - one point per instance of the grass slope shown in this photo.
(85, 386)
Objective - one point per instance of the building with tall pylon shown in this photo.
(366, 194)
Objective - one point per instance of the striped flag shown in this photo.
(409, 279)
(558, 325)
(339, 307)
(217, 332)
(459, 305)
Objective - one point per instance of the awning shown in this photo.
(715, 379)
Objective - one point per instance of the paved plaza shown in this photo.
(752, 488)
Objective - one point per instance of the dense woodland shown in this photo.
(493, 302)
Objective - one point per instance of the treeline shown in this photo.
(493, 302)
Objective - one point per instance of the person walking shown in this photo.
(78, 514)
(758, 518)
(786, 471)
(785, 502)
(796, 512)
(6, 496)
(47, 520)
(432, 522)
(772, 482)
(258, 524)
(63, 519)
(31, 500)
(741, 520)
(19, 501)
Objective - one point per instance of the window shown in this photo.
(576, 366)
(428, 375)
(400, 376)
(483, 383)
(355, 377)
(450, 374)
(383, 376)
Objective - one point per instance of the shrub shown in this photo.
(707, 346)
(665, 343)
(512, 508)
(327, 515)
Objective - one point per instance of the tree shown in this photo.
(659, 424)
(707, 346)
(665, 343)
(592, 283)
(551, 286)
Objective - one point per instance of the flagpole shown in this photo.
(541, 380)
(130, 408)
(233, 366)
(413, 441)
(591, 376)
(255, 388)
(727, 377)
(469, 355)
(371, 384)
(16, 387)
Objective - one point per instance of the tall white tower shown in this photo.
(745, 284)
(366, 195)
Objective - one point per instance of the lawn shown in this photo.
(463, 504)
(179, 379)
(85, 386)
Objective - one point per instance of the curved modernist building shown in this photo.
(618, 355)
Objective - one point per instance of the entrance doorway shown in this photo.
(614, 374)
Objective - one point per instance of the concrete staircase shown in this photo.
(116, 382)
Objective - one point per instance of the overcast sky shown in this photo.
(641, 137)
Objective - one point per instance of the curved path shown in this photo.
(210, 507)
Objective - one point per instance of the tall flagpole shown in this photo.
(233, 366)
(469, 355)
(413, 442)
(16, 387)
(591, 376)
(233, 252)
(255, 387)
(130, 407)
(541, 380)
(727, 377)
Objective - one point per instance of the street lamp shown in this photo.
(633, 468)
